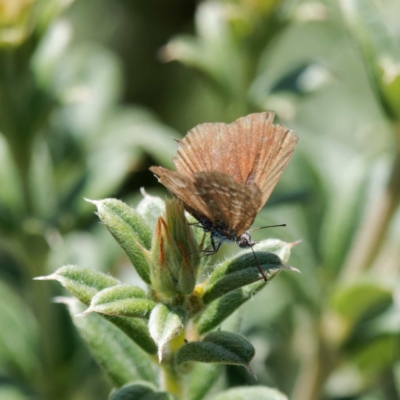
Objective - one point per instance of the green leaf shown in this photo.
(140, 391)
(117, 354)
(386, 323)
(240, 271)
(213, 51)
(373, 357)
(218, 347)
(379, 48)
(129, 230)
(11, 198)
(122, 301)
(344, 205)
(49, 53)
(83, 283)
(165, 324)
(352, 302)
(137, 330)
(224, 306)
(42, 184)
(18, 334)
(253, 393)
(150, 208)
(138, 129)
(200, 380)
(279, 247)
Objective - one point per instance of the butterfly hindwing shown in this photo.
(232, 204)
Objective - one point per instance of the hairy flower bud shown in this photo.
(174, 260)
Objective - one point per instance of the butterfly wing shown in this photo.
(215, 195)
(251, 149)
(231, 203)
(183, 188)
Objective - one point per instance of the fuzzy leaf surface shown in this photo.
(253, 393)
(150, 208)
(165, 323)
(224, 306)
(140, 391)
(279, 247)
(83, 283)
(122, 301)
(137, 330)
(241, 271)
(117, 354)
(218, 347)
(129, 230)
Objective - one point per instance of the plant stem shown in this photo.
(314, 371)
(171, 381)
(372, 230)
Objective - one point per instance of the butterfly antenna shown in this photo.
(263, 227)
(258, 265)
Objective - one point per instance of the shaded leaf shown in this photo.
(225, 305)
(18, 333)
(137, 330)
(353, 301)
(118, 355)
(218, 347)
(140, 391)
(200, 380)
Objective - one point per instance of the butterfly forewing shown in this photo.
(252, 150)
(183, 188)
(276, 151)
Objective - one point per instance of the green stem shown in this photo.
(372, 231)
(315, 369)
(171, 381)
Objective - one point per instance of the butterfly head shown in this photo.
(244, 240)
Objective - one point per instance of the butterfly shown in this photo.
(225, 173)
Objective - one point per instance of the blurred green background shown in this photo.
(91, 93)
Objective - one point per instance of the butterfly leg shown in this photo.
(215, 247)
(209, 252)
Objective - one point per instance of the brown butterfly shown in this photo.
(226, 173)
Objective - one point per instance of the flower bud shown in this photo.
(174, 260)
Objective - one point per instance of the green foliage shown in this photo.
(117, 354)
(68, 131)
(172, 313)
(140, 391)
